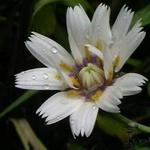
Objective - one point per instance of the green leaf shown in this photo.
(139, 147)
(114, 126)
(17, 102)
(120, 126)
(44, 20)
(83, 3)
(143, 14)
(148, 88)
(74, 146)
(27, 135)
(134, 62)
(41, 3)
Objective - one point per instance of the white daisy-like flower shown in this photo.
(88, 78)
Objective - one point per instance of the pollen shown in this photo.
(110, 75)
(116, 61)
(73, 93)
(66, 67)
(58, 77)
(87, 53)
(99, 45)
(96, 95)
(75, 81)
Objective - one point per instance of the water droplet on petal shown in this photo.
(72, 121)
(94, 107)
(54, 50)
(46, 87)
(33, 77)
(45, 76)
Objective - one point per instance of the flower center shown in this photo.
(91, 76)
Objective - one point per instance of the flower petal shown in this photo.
(83, 120)
(95, 51)
(48, 49)
(122, 23)
(109, 99)
(40, 79)
(129, 83)
(58, 107)
(78, 25)
(108, 64)
(100, 31)
(51, 54)
(127, 45)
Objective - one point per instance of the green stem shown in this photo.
(27, 135)
(132, 124)
(17, 102)
(119, 126)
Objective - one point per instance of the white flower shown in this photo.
(88, 79)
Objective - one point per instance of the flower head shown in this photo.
(88, 78)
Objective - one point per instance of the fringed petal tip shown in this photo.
(130, 83)
(58, 107)
(127, 9)
(40, 79)
(43, 115)
(110, 99)
(83, 120)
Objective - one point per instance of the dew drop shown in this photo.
(94, 107)
(46, 87)
(33, 77)
(54, 50)
(72, 121)
(45, 76)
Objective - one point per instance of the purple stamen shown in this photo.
(84, 62)
(93, 59)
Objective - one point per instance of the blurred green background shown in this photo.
(20, 127)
